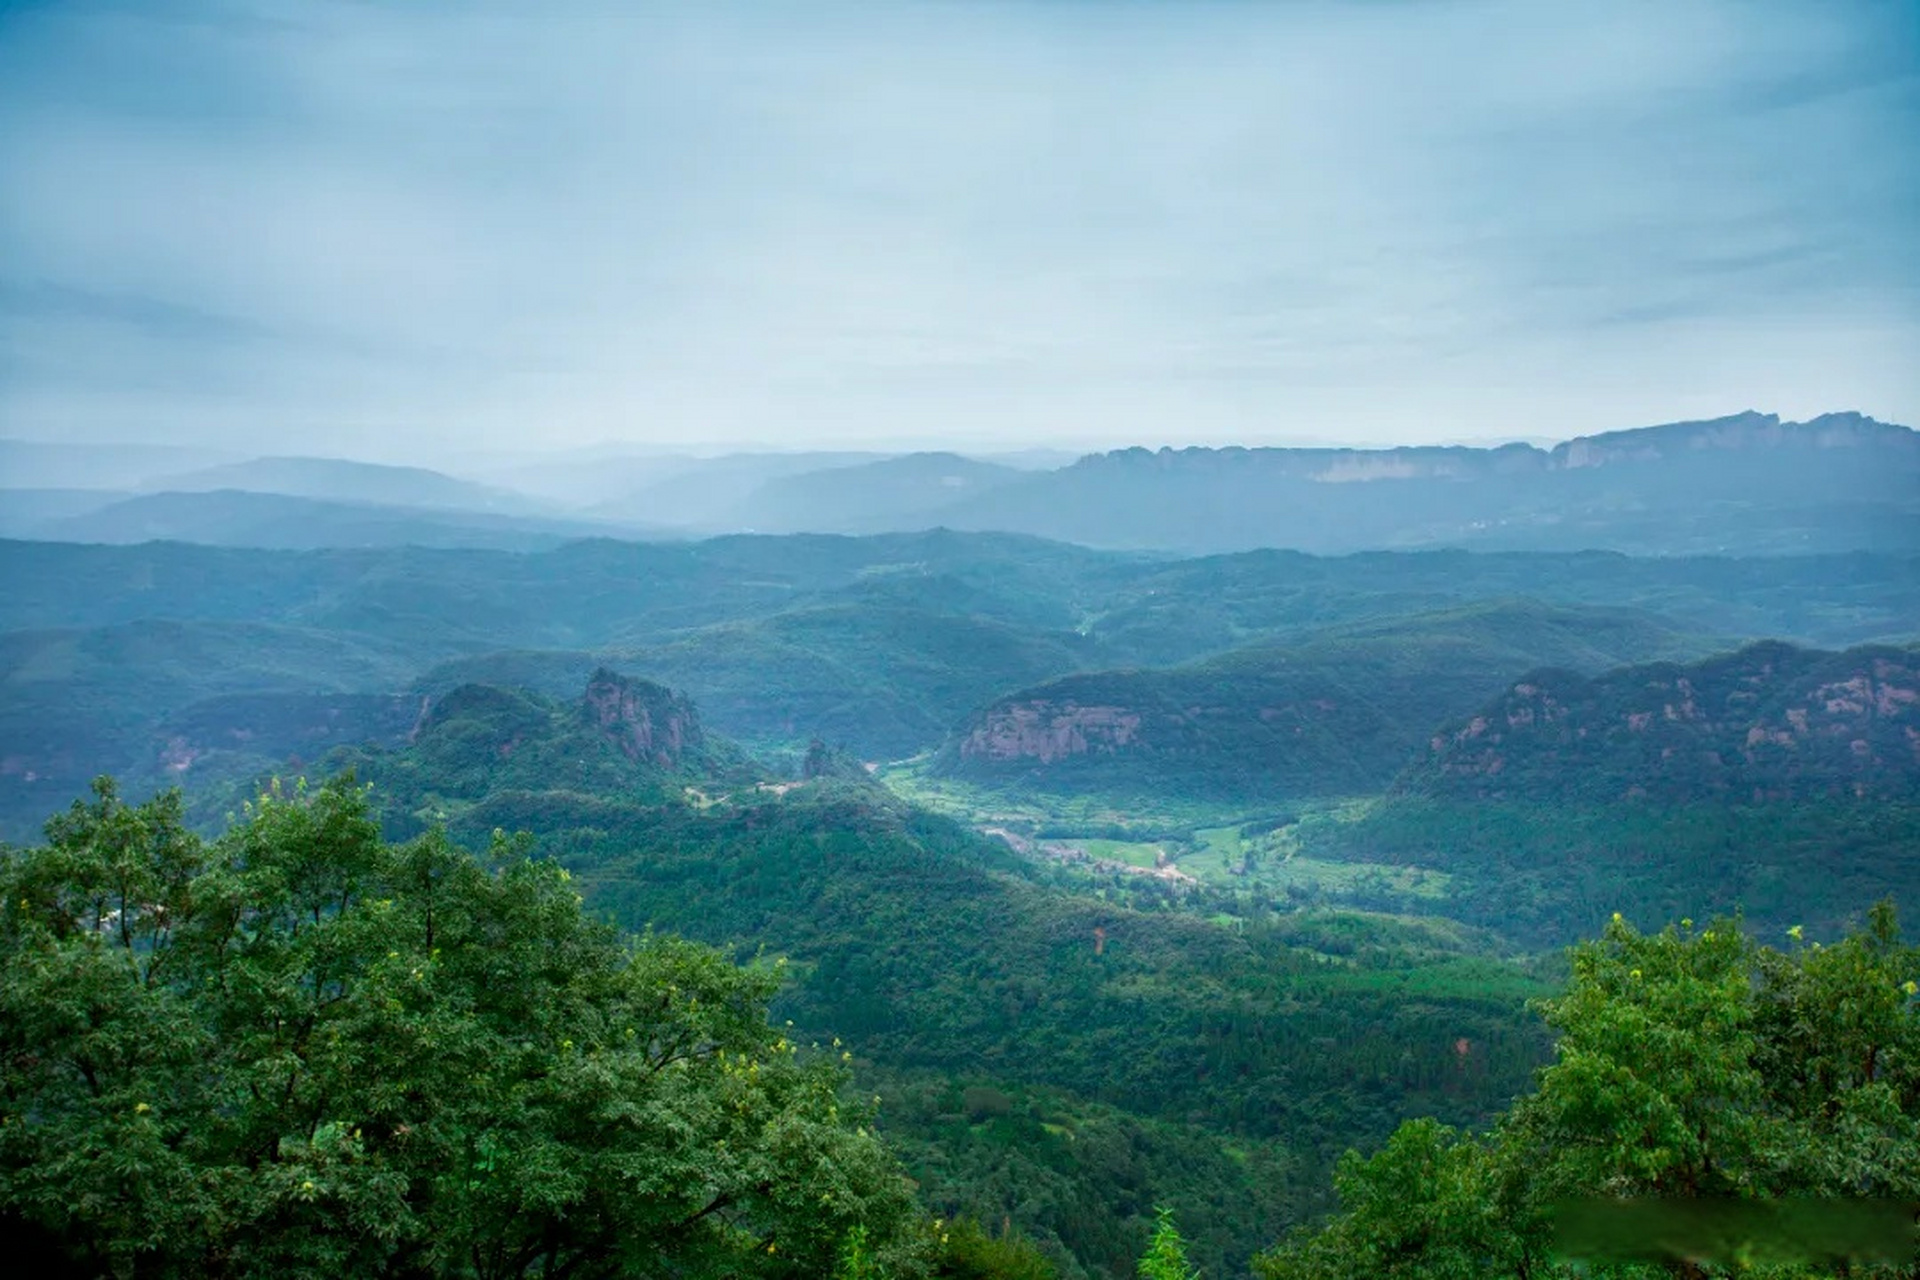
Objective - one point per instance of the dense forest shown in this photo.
(302, 1048)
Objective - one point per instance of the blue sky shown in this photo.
(395, 230)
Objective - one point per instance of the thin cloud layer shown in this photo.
(394, 230)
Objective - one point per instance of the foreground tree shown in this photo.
(1724, 1105)
(299, 1050)
(1166, 1255)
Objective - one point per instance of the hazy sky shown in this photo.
(395, 229)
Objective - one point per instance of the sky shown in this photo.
(400, 231)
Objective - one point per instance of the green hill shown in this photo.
(1781, 781)
(78, 702)
(1769, 722)
(622, 738)
(1337, 711)
(881, 644)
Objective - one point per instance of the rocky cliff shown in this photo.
(1769, 722)
(646, 721)
(1046, 731)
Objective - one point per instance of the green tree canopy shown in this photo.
(1166, 1255)
(299, 1050)
(1737, 1093)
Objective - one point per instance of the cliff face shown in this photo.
(1269, 732)
(1769, 722)
(1048, 731)
(646, 721)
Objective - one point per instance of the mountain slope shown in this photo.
(238, 518)
(344, 480)
(1331, 713)
(78, 702)
(1769, 722)
(714, 495)
(905, 493)
(1775, 780)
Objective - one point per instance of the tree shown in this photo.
(300, 1050)
(1432, 1203)
(1166, 1255)
(1698, 1075)
(969, 1252)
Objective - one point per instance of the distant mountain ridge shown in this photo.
(1749, 483)
(345, 480)
(245, 518)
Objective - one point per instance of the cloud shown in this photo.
(404, 228)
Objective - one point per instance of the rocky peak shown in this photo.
(646, 721)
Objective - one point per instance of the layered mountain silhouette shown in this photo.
(1746, 484)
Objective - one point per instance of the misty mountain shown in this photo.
(342, 480)
(235, 518)
(873, 497)
(729, 490)
(1741, 485)
(24, 512)
(714, 495)
(1745, 484)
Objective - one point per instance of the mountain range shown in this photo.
(1746, 484)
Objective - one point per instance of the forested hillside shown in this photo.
(1334, 711)
(1777, 780)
